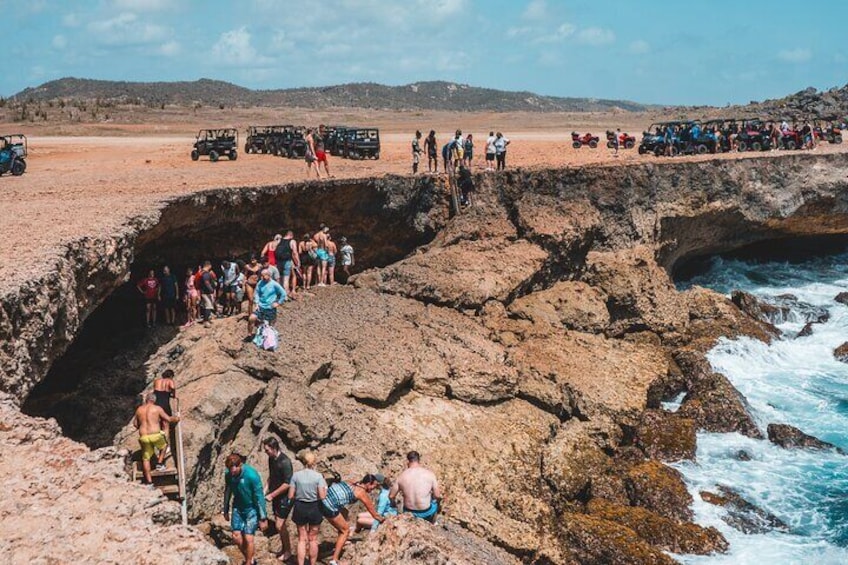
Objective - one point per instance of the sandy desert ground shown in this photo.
(88, 179)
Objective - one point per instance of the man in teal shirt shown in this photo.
(268, 295)
(243, 484)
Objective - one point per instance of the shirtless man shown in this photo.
(320, 239)
(332, 250)
(420, 489)
(148, 419)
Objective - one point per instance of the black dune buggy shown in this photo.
(257, 139)
(13, 152)
(361, 143)
(216, 143)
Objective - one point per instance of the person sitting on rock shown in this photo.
(243, 485)
(385, 506)
(268, 295)
(148, 420)
(419, 488)
(340, 495)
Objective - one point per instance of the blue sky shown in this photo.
(670, 52)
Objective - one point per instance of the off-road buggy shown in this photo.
(292, 143)
(361, 143)
(625, 140)
(753, 136)
(257, 139)
(13, 152)
(578, 141)
(216, 143)
(334, 139)
(828, 130)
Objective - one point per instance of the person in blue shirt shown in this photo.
(267, 296)
(243, 485)
(385, 506)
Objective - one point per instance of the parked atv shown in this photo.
(829, 132)
(624, 140)
(215, 143)
(753, 136)
(577, 141)
(792, 139)
(13, 152)
(361, 143)
(257, 139)
(334, 139)
(293, 143)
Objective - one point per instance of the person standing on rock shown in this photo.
(320, 239)
(332, 250)
(348, 259)
(269, 294)
(340, 495)
(306, 491)
(500, 150)
(288, 260)
(148, 420)
(308, 257)
(150, 289)
(243, 485)
(490, 151)
(170, 293)
(269, 250)
(310, 155)
(416, 151)
(279, 479)
(419, 488)
(207, 292)
(192, 298)
(432, 152)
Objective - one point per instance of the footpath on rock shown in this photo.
(523, 346)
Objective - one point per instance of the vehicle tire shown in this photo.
(837, 140)
(756, 146)
(790, 144)
(593, 144)
(377, 156)
(213, 155)
(233, 155)
(642, 150)
(577, 145)
(742, 146)
(610, 145)
(675, 151)
(247, 148)
(18, 168)
(659, 152)
(702, 149)
(628, 144)
(195, 155)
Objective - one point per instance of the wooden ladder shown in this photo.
(170, 481)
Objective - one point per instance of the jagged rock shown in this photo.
(659, 531)
(742, 455)
(713, 315)
(743, 515)
(841, 353)
(809, 313)
(572, 305)
(479, 271)
(592, 540)
(404, 540)
(660, 489)
(712, 401)
(666, 436)
(760, 309)
(789, 437)
(842, 298)
(806, 331)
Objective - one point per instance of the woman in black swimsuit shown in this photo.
(164, 389)
(251, 271)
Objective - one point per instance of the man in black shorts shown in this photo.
(279, 477)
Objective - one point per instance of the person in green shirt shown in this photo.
(243, 485)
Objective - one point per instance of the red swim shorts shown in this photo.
(321, 156)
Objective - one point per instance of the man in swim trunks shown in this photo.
(311, 155)
(243, 485)
(149, 288)
(320, 239)
(269, 294)
(332, 250)
(321, 155)
(420, 489)
(416, 151)
(148, 420)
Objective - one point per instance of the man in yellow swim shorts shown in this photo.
(148, 419)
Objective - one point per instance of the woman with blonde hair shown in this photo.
(307, 489)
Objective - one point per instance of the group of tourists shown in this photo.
(458, 153)
(285, 267)
(306, 497)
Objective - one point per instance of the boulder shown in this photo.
(659, 531)
(842, 298)
(841, 353)
(592, 540)
(806, 331)
(569, 304)
(760, 309)
(713, 315)
(660, 489)
(789, 437)
(666, 436)
(742, 514)
(712, 401)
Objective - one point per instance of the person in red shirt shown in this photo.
(151, 290)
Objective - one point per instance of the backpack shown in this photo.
(266, 337)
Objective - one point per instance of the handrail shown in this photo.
(180, 464)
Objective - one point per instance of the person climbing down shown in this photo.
(340, 495)
(148, 419)
(466, 185)
(243, 485)
(279, 479)
(419, 488)
(164, 389)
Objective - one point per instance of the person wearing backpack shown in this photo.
(268, 295)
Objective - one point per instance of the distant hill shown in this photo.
(808, 103)
(435, 95)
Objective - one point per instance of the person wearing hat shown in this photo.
(334, 507)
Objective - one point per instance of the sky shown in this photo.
(711, 52)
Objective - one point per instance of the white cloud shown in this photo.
(281, 41)
(799, 55)
(143, 5)
(127, 29)
(170, 49)
(640, 47)
(234, 48)
(564, 31)
(535, 10)
(70, 20)
(59, 42)
(595, 36)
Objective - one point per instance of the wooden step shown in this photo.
(169, 489)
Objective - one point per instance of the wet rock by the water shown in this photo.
(661, 489)
(806, 331)
(742, 514)
(666, 436)
(742, 455)
(842, 298)
(841, 353)
(788, 437)
(760, 309)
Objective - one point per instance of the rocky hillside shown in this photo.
(806, 104)
(436, 95)
(524, 347)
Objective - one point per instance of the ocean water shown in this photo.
(794, 381)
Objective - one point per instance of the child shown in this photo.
(347, 257)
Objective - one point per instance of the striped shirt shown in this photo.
(339, 496)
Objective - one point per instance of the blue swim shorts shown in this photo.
(245, 521)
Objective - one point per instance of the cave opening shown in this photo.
(94, 387)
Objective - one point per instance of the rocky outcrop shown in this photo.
(573, 305)
(841, 353)
(666, 436)
(760, 309)
(789, 437)
(742, 514)
(660, 489)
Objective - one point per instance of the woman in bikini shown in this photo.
(306, 248)
(251, 271)
(192, 298)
